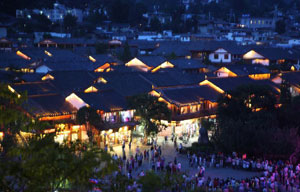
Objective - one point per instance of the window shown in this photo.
(226, 56)
(216, 56)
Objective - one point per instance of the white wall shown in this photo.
(42, 69)
(221, 56)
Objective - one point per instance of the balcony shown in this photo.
(202, 113)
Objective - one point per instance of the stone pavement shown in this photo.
(169, 152)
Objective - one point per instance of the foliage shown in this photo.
(101, 48)
(47, 36)
(151, 112)
(41, 22)
(126, 54)
(13, 119)
(207, 124)
(280, 26)
(171, 56)
(155, 24)
(44, 165)
(89, 116)
(201, 148)
(70, 22)
(285, 96)
(151, 182)
(119, 10)
(248, 122)
(37, 163)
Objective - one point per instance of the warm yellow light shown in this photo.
(163, 66)
(154, 93)
(1, 134)
(261, 61)
(75, 127)
(13, 91)
(48, 53)
(91, 89)
(102, 68)
(49, 131)
(76, 101)
(46, 77)
(227, 71)
(136, 63)
(19, 53)
(293, 68)
(206, 82)
(252, 55)
(101, 80)
(92, 59)
(260, 76)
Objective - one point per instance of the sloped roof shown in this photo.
(188, 63)
(72, 40)
(292, 78)
(278, 53)
(48, 104)
(142, 44)
(6, 76)
(11, 59)
(248, 69)
(65, 60)
(172, 78)
(165, 48)
(231, 83)
(31, 77)
(210, 45)
(101, 59)
(151, 61)
(69, 81)
(188, 95)
(107, 101)
(126, 84)
(35, 88)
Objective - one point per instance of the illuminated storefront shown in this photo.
(116, 136)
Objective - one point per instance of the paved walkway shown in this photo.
(169, 153)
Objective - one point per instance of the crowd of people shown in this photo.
(272, 175)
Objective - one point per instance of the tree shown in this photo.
(118, 10)
(285, 96)
(126, 53)
(155, 24)
(44, 165)
(41, 22)
(280, 26)
(70, 22)
(151, 182)
(89, 116)
(37, 163)
(151, 111)
(101, 48)
(248, 122)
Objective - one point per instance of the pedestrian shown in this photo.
(123, 146)
(129, 145)
(153, 166)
